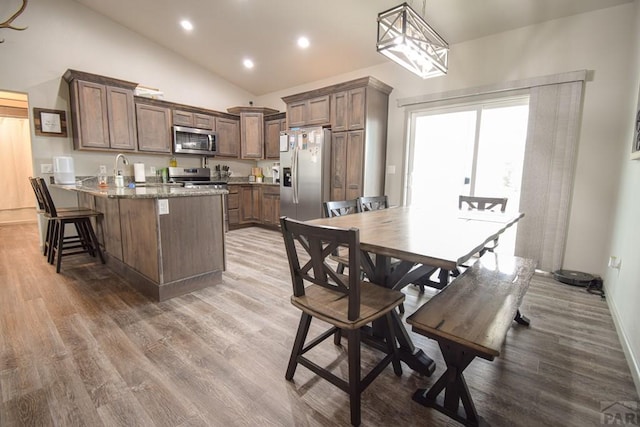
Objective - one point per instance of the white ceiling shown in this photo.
(342, 32)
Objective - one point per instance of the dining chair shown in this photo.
(491, 204)
(372, 203)
(482, 203)
(338, 208)
(344, 301)
(57, 243)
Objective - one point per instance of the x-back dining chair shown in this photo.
(338, 208)
(372, 203)
(491, 204)
(344, 301)
(483, 203)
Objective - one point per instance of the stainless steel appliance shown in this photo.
(195, 178)
(188, 140)
(305, 172)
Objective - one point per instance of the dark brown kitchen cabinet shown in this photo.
(347, 155)
(193, 119)
(348, 110)
(233, 205)
(228, 137)
(249, 203)
(272, 128)
(154, 127)
(251, 135)
(313, 111)
(270, 205)
(252, 130)
(358, 118)
(102, 112)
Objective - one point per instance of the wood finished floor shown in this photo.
(83, 348)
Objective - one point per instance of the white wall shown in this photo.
(623, 286)
(63, 34)
(604, 42)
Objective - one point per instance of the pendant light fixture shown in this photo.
(406, 38)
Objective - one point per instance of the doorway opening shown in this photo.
(472, 149)
(17, 204)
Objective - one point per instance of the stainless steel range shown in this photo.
(195, 178)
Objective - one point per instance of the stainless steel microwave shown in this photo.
(188, 140)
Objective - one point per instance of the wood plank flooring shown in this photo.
(83, 348)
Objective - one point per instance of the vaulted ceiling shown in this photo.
(342, 33)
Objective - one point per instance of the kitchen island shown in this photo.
(165, 240)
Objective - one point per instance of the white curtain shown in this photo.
(16, 167)
(549, 164)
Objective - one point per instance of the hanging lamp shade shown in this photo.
(407, 39)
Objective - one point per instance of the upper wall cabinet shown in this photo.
(228, 130)
(273, 125)
(192, 119)
(102, 112)
(154, 126)
(308, 112)
(252, 130)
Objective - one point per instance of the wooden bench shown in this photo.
(470, 318)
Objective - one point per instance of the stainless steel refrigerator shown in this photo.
(305, 163)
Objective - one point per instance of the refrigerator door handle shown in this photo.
(294, 173)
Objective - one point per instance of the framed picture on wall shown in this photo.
(50, 122)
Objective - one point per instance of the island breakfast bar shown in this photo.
(165, 240)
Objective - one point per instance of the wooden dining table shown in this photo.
(402, 244)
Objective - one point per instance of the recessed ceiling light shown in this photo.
(303, 42)
(186, 25)
(248, 63)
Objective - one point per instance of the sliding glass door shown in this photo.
(473, 149)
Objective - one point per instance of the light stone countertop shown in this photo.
(149, 191)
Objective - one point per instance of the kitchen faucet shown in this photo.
(117, 177)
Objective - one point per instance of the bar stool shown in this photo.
(57, 244)
(41, 210)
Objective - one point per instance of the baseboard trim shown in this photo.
(632, 360)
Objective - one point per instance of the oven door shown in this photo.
(194, 141)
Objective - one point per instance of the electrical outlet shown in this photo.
(103, 170)
(46, 168)
(163, 206)
(152, 170)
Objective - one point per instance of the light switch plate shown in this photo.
(163, 207)
(46, 168)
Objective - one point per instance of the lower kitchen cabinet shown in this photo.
(253, 204)
(233, 205)
(249, 204)
(270, 206)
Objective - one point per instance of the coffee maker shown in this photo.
(275, 171)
